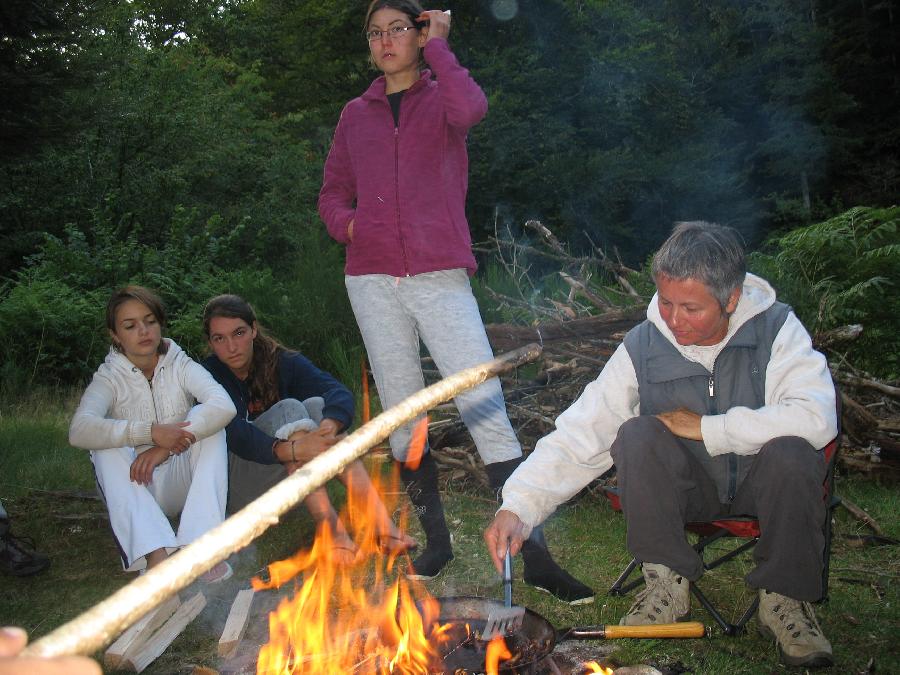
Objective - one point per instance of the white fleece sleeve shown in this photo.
(570, 457)
(800, 400)
(91, 429)
(214, 407)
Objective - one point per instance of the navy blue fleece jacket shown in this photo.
(297, 378)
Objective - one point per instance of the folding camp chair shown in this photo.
(745, 528)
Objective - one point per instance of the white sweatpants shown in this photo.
(138, 513)
(438, 308)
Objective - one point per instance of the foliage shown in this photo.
(150, 136)
(52, 313)
(842, 271)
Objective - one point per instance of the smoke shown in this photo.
(627, 118)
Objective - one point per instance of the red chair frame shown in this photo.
(746, 528)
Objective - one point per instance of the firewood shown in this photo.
(581, 287)
(474, 471)
(236, 623)
(507, 336)
(135, 637)
(867, 383)
(170, 630)
(857, 421)
(837, 336)
(862, 516)
(525, 412)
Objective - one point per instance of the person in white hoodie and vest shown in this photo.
(154, 422)
(717, 405)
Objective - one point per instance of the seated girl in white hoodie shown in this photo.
(154, 421)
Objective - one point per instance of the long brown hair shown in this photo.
(262, 380)
(146, 297)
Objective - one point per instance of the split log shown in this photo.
(162, 638)
(97, 627)
(236, 623)
(137, 636)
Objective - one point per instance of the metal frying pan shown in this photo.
(464, 653)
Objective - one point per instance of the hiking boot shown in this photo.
(793, 625)
(18, 557)
(666, 598)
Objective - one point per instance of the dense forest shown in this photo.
(179, 143)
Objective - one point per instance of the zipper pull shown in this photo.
(712, 386)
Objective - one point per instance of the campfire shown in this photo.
(367, 617)
(362, 617)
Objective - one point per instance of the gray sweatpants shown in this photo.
(248, 480)
(662, 487)
(438, 308)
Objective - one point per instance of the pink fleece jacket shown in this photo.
(405, 187)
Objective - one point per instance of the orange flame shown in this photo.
(417, 444)
(594, 667)
(350, 617)
(366, 410)
(497, 651)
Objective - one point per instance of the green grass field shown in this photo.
(47, 488)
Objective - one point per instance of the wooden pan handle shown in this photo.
(686, 629)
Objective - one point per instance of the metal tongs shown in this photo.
(508, 619)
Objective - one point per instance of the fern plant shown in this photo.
(844, 270)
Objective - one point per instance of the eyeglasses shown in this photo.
(393, 33)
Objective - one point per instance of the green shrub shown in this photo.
(843, 271)
(52, 312)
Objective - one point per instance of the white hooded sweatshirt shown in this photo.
(799, 401)
(119, 406)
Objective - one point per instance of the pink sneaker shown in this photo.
(219, 573)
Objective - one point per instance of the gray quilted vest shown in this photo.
(667, 381)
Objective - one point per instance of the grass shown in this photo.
(47, 488)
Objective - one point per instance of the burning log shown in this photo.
(96, 627)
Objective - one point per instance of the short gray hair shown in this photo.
(706, 252)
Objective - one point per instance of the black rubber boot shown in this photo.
(541, 571)
(422, 488)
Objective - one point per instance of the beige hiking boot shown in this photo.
(666, 598)
(793, 625)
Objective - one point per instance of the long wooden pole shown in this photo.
(98, 626)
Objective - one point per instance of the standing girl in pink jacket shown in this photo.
(394, 193)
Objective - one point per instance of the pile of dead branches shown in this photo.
(581, 323)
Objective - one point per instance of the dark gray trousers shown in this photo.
(662, 487)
